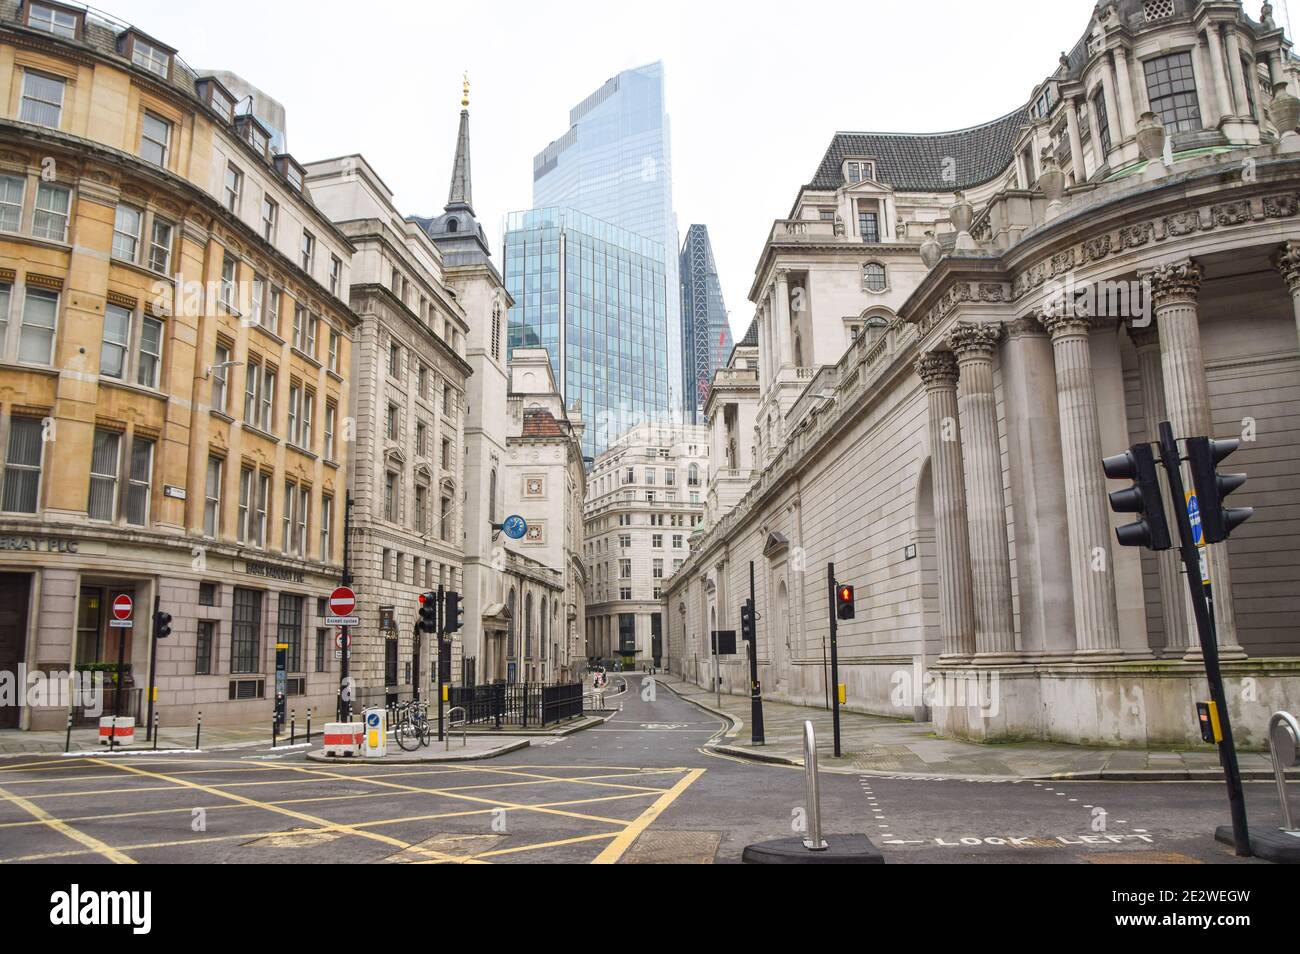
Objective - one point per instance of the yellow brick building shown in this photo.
(174, 353)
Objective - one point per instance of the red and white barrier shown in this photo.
(344, 738)
(121, 730)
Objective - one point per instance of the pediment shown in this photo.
(777, 543)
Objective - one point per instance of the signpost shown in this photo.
(123, 606)
(122, 609)
(835, 656)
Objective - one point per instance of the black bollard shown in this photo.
(274, 729)
(293, 728)
(198, 729)
(67, 740)
(309, 725)
(155, 730)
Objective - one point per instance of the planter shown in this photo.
(1150, 137)
(931, 250)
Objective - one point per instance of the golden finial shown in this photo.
(464, 98)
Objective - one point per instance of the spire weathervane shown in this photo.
(464, 97)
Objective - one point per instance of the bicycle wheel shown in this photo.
(407, 734)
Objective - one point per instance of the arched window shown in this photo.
(693, 475)
(496, 330)
(510, 625)
(873, 276)
(541, 636)
(528, 626)
(492, 496)
(453, 225)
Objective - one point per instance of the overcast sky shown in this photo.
(755, 89)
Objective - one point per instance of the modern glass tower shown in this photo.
(614, 164)
(596, 297)
(705, 332)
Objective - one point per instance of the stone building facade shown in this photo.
(645, 497)
(176, 339)
(409, 384)
(947, 458)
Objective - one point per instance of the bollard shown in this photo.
(112, 736)
(274, 729)
(814, 841)
(293, 729)
(67, 740)
(309, 725)
(155, 730)
(198, 729)
(1283, 730)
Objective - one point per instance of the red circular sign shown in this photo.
(343, 601)
(122, 606)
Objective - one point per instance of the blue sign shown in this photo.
(373, 719)
(515, 526)
(1194, 516)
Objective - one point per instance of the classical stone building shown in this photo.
(407, 415)
(645, 497)
(175, 352)
(946, 457)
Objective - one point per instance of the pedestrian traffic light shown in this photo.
(747, 620)
(1217, 521)
(1138, 464)
(428, 613)
(453, 615)
(162, 625)
(843, 601)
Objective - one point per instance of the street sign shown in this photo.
(338, 654)
(342, 620)
(724, 642)
(122, 608)
(340, 641)
(515, 526)
(342, 602)
(1194, 515)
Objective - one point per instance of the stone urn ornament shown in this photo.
(1052, 181)
(962, 214)
(1151, 136)
(931, 250)
(1284, 110)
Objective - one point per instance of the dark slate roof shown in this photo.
(751, 336)
(915, 162)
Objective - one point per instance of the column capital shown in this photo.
(781, 274)
(1174, 282)
(1063, 323)
(937, 369)
(1287, 261)
(1028, 325)
(970, 339)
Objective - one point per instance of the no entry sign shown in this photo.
(122, 607)
(342, 602)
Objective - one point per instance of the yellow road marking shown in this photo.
(615, 849)
(64, 828)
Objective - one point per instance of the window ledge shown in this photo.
(300, 450)
(134, 388)
(142, 269)
(261, 433)
(267, 332)
(331, 463)
(37, 368)
(306, 357)
(221, 415)
(335, 375)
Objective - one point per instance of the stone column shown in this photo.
(1128, 123)
(1238, 75)
(1173, 590)
(781, 314)
(1096, 622)
(764, 352)
(1076, 141)
(974, 345)
(1222, 94)
(1204, 85)
(1287, 261)
(938, 370)
(1175, 289)
(1112, 112)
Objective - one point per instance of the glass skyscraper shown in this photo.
(614, 164)
(705, 332)
(596, 297)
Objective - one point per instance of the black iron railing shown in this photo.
(521, 704)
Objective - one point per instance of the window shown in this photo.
(151, 338)
(334, 351)
(229, 269)
(496, 330)
(307, 250)
(321, 638)
(391, 424)
(309, 339)
(288, 630)
(857, 170)
(625, 569)
(1171, 89)
(139, 482)
(670, 476)
(203, 647)
(873, 277)
(422, 382)
(22, 473)
(271, 313)
(657, 570)
(12, 191)
(246, 624)
(446, 454)
(117, 338)
(649, 475)
(625, 592)
(234, 186)
(444, 518)
(254, 495)
(326, 528)
(305, 421)
(624, 540)
(220, 378)
(160, 246)
(155, 137)
(42, 101)
(126, 232)
(421, 508)
(421, 439)
(295, 401)
(1102, 120)
(331, 411)
(212, 499)
(270, 214)
(336, 274)
(869, 226)
(657, 541)
(60, 22)
(153, 58)
(677, 541)
(394, 360)
(36, 338)
(259, 396)
(390, 496)
(50, 218)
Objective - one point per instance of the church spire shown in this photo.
(460, 195)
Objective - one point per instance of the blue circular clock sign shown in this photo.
(515, 526)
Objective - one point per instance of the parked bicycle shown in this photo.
(413, 728)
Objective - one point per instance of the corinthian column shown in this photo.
(1096, 621)
(1287, 261)
(938, 370)
(1173, 591)
(1175, 289)
(974, 345)
(781, 315)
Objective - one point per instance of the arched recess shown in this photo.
(927, 561)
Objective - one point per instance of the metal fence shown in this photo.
(521, 704)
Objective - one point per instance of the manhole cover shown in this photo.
(674, 848)
(448, 843)
(294, 839)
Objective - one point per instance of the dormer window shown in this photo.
(220, 99)
(858, 170)
(290, 170)
(53, 18)
(147, 54)
(253, 133)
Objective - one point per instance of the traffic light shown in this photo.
(428, 612)
(453, 615)
(747, 620)
(162, 625)
(843, 601)
(1217, 521)
(1138, 464)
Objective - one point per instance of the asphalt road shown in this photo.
(641, 788)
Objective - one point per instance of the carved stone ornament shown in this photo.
(969, 339)
(1287, 261)
(937, 368)
(1174, 281)
(1062, 322)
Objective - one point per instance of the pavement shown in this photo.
(471, 748)
(875, 745)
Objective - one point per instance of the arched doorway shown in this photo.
(780, 629)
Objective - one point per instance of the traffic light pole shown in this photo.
(442, 624)
(835, 655)
(755, 690)
(1205, 629)
(345, 705)
(415, 661)
(153, 660)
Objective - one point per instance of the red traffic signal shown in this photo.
(844, 601)
(428, 613)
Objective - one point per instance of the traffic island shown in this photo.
(473, 750)
(1268, 844)
(839, 850)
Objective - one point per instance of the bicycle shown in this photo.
(413, 728)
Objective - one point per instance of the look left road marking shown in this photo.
(63, 828)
